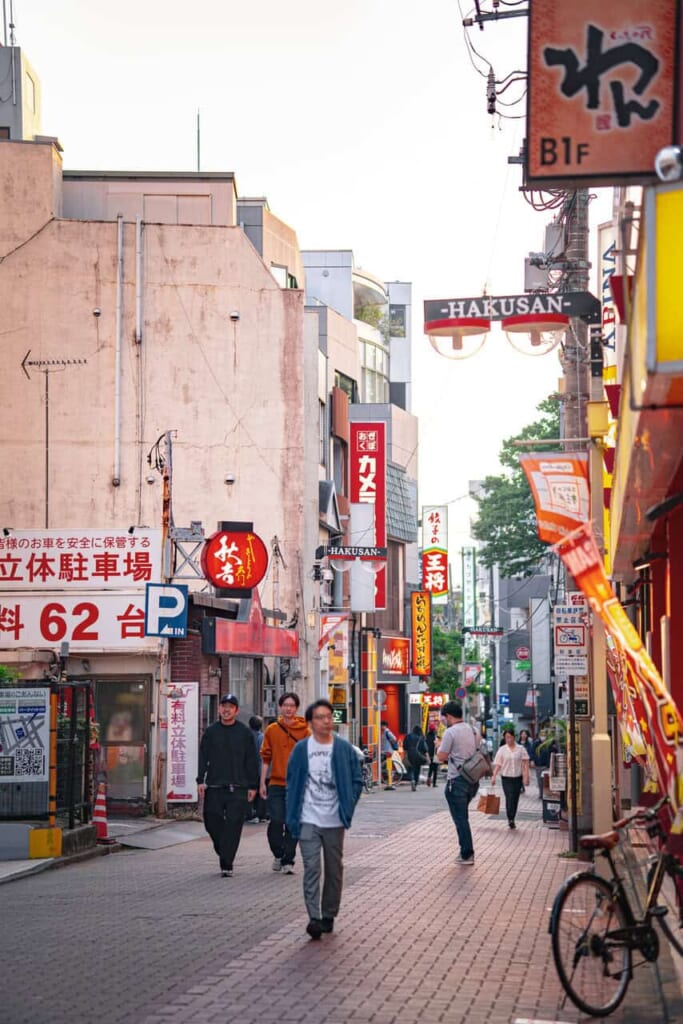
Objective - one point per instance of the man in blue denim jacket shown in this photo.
(324, 782)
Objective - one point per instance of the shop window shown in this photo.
(208, 711)
(122, 712)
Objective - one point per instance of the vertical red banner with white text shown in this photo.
(368, 484)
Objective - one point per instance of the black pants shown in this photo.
(224, 814)
(414, 770)
(282, 844)
(512, 787)
(433, 769)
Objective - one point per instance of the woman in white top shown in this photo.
(512, 763)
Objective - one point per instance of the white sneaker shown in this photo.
(277, 864)
(287, 869)
(465, 860)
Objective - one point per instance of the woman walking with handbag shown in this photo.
(512, 762)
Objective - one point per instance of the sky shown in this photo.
(365, 126)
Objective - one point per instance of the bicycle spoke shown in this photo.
(593, 966)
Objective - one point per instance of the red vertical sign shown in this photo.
(368, 483)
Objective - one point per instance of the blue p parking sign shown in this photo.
(166, 610)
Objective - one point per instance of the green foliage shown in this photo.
(506, 523)
(376, 317)
(8, 676)
(446, 658)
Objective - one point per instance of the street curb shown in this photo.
(60, 862)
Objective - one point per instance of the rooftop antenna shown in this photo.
(198, 141)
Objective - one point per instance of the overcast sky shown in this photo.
(364, 124)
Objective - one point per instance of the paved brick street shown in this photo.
(157, 937)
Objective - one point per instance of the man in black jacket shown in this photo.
(227, 779)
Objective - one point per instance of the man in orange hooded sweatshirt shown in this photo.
(279, 740)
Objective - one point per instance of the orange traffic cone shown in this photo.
(99, 817)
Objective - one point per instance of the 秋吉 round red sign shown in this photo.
(234, 559)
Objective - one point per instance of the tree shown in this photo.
(506, 523)
(446, 658)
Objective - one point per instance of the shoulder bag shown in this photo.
(477, 765)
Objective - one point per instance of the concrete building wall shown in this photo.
(159, 198)
(20, 97)
(30, 190)
(237, 395)
(329, 277)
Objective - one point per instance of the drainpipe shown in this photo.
(116, 480)
(140, 411)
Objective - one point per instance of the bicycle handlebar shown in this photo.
(642, 813)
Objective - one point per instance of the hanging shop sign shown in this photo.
(602, 90)
(253, 638)
(644, 704)
(435, 549)
(367, 485)
(393, 659)
(421, 620)
(559, 484)
(234, 559)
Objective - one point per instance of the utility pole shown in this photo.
(581, 387)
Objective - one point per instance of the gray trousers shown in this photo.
(329, 841)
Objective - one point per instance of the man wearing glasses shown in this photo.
(324, 782)
(279, 740)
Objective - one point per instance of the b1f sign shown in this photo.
(166, 610)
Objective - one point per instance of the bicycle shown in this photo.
(594, 929)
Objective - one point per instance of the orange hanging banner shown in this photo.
(644, 705)
(559, 484)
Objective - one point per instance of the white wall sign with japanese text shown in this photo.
(183, 743)
(82, 587)
(87, 622)
(39, 560)
(570, 634)
(25, 734)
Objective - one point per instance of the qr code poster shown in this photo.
(24, 735)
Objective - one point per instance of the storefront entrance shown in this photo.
(122, 710)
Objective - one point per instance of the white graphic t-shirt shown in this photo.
(321, 804)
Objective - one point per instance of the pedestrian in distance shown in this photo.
(459, 742)
(512, 764)
(258, 806)
(324, 783)
(227, 780)
(433, 770)
(279, 741)
(415, 750)
(544, 746)
(388, 744)
(528, 744)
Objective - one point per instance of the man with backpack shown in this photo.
(459, 742)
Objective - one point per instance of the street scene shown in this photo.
(341, 546)
(153, 934)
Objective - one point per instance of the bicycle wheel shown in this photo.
(667, 900)
(594, 968)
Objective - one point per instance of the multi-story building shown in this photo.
(164, 377)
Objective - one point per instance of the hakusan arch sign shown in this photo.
(234, 559)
